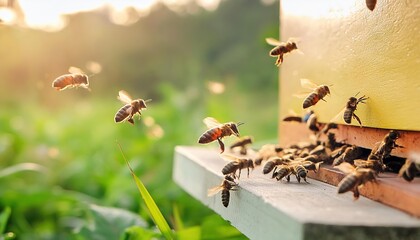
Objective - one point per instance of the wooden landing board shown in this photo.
(263, 208)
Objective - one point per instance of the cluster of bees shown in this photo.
(359, 164)
(77, 79)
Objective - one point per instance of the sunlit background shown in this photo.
(58, 151)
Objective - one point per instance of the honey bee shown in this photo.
(217, 131)
(272, 163)
(411, 167)
(280, 49)
(266, 152)
(370, 4)
(318, 92)
(236, 164)
(375, 165)
(285, 171)
(383, 149)
(76, 78)
(355, 178)
(349, 154)
(312, 123)
(327, 127)
(227, 185)
(242, 144)
(351, 107)
(131, 107)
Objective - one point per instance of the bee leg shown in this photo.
(279, 59)
(274, 174)
(357, 119)
(130, 120)
(222, 146)
(356, 193)
(305, 180)
(297, 178)
(239, 175)
(247, 173)
(288, 178)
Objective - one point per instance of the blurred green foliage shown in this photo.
(61, 172)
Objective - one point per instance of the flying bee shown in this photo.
(383, 149)
(280, 49)
(236, 164)
(355, 178)
(351, 107)
(76, 78)
(217, 131)
(131, 107)
(411, 167)
(242, 144)
(318, 92)
(328, 127)
(227, 185)
(370, 4)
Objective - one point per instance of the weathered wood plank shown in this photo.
(263, 208)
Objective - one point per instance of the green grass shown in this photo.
(63, 176)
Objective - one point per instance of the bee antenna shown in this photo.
(91, 75)
(148, 100)
(239, 124)
(357, 94)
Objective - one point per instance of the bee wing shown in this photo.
(345, 167)
(229, 157)
(359, 162)
(75, 70)
(211, 122)
(272, 41)
(213, 191)
(124, 97)
(338, 116)
(301, 94)
(306, 83)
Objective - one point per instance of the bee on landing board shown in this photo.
(411, 168)
(131, 107)
(318, 92)
(354, 179)
(227, 185)
(76, 78)
(280, 49)
(383, 149)
(236, 164)
(217, 131)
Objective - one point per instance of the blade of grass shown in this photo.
(4, 216)
(154, 211)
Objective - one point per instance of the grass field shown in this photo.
(63, 176)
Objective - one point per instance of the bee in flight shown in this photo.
(318, 92)
(355, 178)
(76, 78)
(217, 131)
(280, 49)
(227, 185)
(131, 107)
(350, 108)
(370, 4)
(236, 164)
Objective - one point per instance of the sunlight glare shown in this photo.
(49, 16)
(7, 16)
(318, 9)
